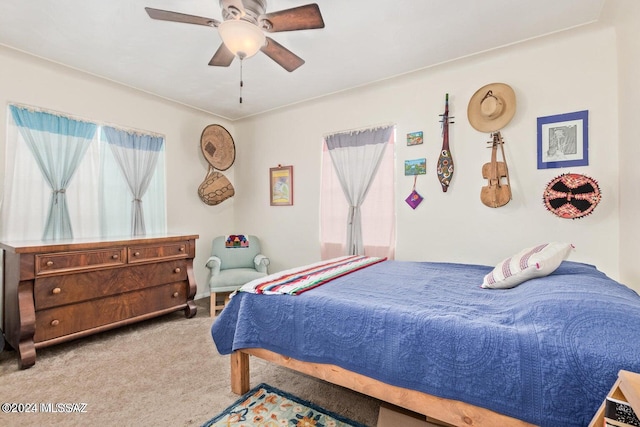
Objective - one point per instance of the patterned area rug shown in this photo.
(266, 406)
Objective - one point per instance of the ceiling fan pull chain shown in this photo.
(241, 83)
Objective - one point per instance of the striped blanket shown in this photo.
(297, 280)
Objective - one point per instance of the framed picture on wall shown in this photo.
(281, 185)
(563, 140)
(414, 138)
(415, 167)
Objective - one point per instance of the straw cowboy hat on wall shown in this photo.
(492, 107)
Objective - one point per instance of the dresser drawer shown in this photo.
(55, 291)
(68, 319)
(158, 252)
(82, 260)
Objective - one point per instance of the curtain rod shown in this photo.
(81, 119)
(362, 129)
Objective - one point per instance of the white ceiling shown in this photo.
(363, 41)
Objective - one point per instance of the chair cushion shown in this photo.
(233, 279)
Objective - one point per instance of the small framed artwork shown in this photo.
(563, 140)
(415, 167)
(414, 138)
(281, 185)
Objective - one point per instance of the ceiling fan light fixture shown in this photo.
(242, 38)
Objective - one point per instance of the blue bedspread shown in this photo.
(546, 352)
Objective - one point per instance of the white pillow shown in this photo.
(537, 261)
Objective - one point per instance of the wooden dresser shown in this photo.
(61, 290)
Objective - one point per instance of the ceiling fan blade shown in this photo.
(306, 17)
(166, 15)
(222, 58)
(280, 54)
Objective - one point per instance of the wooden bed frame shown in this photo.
(435, 409)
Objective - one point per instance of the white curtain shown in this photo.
(356, 157)
(137, 156)
(98, 196)
(116, 200)
(58, 145)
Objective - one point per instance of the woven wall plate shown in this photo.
(572, 195)
(218, 147)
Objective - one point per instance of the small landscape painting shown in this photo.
(414, 138)
(415, 167)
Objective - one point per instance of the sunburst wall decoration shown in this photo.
(572, 195)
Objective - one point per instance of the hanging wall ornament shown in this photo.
(219, 151)
(218, 147)
(215, 188)
(414, 198)
(445, 161)
(572, 195)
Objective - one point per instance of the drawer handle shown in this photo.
(55, 322)
(181, 249)
(56, 291)
(177, 270)
(115, 256)
(136, 254)
(49, 263)
(175, 295)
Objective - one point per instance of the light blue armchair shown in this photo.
(234, 261)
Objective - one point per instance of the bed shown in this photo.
(427, 337)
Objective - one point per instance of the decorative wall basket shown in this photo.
(215, 188)
(219, 151)
(572, 195)
(218, 147)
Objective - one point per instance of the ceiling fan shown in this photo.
(243, 26)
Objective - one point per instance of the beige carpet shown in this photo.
(161, 372)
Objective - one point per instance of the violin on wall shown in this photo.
(497, 192)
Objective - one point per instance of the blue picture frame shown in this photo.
(563, 140)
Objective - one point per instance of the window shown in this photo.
(65, 179)
(363, 163)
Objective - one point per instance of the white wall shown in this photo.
(625, 14)
(28, 80)
(558, 74)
